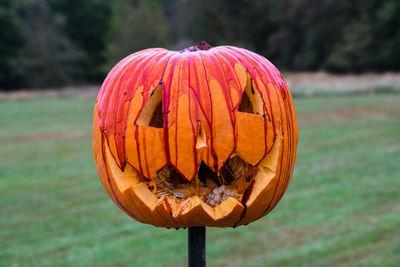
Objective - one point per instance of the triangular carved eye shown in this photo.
(151, 114)
(157, 118)
(251, 100)
(245, 104)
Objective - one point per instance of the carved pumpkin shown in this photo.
(198, 137)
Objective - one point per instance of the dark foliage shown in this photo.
(76, 41)
(10, 43)
(47, 56)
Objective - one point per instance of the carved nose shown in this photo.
(201, 138)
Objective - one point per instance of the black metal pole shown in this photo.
(197, 246)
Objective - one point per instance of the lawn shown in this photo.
(341, 208)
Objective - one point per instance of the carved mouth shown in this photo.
(234, 178)
(230, 197)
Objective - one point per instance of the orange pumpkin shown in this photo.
(198, 137)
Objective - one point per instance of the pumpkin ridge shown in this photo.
(281, 168)
(114, 71)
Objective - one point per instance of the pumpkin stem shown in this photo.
(203, 45)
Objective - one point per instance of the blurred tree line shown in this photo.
(46, 43)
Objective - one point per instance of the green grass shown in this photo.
(342, 207)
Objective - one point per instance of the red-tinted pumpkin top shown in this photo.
(201, 90)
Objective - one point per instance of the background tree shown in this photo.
(10, 42)
(86, 24)
(352, 52)
(90, 36)
(387, 36)
(136, 25)
(47, 57)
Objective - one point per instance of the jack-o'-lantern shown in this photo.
(198, 137)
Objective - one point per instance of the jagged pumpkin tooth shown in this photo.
(151, 149)
(121, 182)
(107, 180)
(164, 211)
(174, 206)
(261, 195)
(222, 137)
(145, 202)
(182, 122)
(103, 153)
(228, 212)
(223, 134)
(122, 179)
(251, 137)
(132, 206)
(264, 188)
(184, 138)
(194, 212)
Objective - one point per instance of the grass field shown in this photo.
(341, 209)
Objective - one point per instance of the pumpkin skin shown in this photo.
(198, 137)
